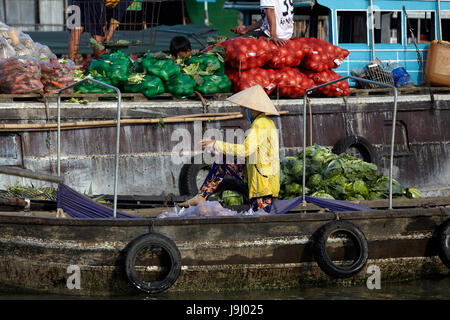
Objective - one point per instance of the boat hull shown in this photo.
(217, 253)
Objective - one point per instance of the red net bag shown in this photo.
(20, 75)
(322, 55)
(293, 83)
(341, 88)
(247, 53)
(241, 80)
(289, 55)
(56, 74)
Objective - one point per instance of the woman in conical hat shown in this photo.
(261, 171)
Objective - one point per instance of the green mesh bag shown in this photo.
(151, 86)
(214, 84)
(181, 86)
(162, 68)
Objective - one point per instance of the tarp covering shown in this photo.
(80, 206)
(58, 41)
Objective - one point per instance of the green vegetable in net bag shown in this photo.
(115, 66)
(162, 68)
(91, 87)
(208, 63)
(181, 86)
(232, 198)
(148, 85)
(214, 84)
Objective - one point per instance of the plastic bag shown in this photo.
(207, 209)
(400, 75)
(181, 86)
(20, 75)
(162, 68)
(6, 50)
(214, 84)
(150, 86)
(293, 83)
(241, 80)
(56, 74)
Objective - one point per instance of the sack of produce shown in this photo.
(289, 55)
(214, 84)
(181, 85)
(148, 85)
(162, 68)
(209, 63)
(241, 80)
(6, 50)
(321, 55)
(115, 66)
(337, 89)
(20, 75)
(245, 53)
(293, 83)
(56, 74)
(91, 87)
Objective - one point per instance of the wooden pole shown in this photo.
(30, 174)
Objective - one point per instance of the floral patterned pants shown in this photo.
(237, 171)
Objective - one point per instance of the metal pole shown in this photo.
(394, 119)
(116, 165)
(439, 20)
(372, 27)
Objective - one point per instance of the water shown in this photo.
(424, 289)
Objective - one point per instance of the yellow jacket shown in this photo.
(261, 152)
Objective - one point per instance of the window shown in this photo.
(352, 26)
(388, 27)
(422, 25)
(445, 22)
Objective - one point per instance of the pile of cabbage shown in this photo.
(340, 177)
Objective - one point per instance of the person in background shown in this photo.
(260, 150)
(180, 47)
(93, 20)
(277, 22)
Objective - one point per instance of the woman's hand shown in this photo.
(206, 143)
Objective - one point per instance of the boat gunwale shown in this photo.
(371, 214)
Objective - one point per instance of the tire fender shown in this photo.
(152, 240)
(363, 145)
(320, 253)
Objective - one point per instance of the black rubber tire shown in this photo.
(321, 255)
(146, 240)
(444, 243)
(365, 148)
(188, 182)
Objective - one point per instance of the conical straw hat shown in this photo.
(254, 98)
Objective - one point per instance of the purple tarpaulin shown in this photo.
(79, 206)
(283, 206)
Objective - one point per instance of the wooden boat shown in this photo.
(40, 251)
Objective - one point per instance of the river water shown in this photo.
(424, 289)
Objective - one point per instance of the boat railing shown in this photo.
(116, 164)
(394, 119)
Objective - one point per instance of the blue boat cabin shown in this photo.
(399, 26)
